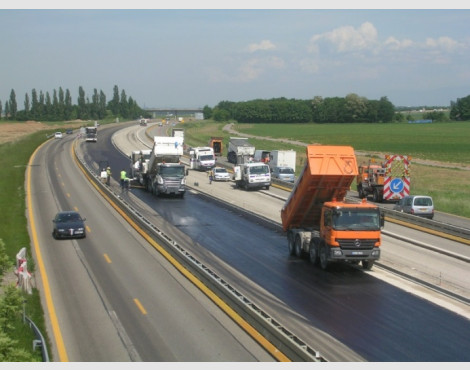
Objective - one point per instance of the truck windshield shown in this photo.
(356, 219)
(206, 157)
(176, 171)
(259, 170)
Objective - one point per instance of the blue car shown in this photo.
(68, 224)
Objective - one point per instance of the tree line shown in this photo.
(460, 109)
(350, 109)
(59, 107)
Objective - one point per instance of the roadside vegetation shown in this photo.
(16, 337)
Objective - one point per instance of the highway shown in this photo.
(346, 313)
(112, 296)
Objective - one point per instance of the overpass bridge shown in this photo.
(166, 112)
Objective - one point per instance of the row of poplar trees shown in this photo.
(59, 106)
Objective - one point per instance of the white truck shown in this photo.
(91, 134)
(239, 150)
(202, 158)
(254, 175)
(282, 158)
(165, 173)
(177, 132)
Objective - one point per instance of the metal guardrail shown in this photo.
(279, 336)
(39, 342)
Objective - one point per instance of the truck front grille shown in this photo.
(362, 244)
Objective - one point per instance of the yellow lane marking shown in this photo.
(106, 257)
(429, 231)
(68, 195)
(140, 307)
(275, 352)
(87, 228)
(42, 269)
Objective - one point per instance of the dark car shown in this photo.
(69, 131)
(68, 224)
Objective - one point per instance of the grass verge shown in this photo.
(14, 158)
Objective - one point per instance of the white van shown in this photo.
(419, 205)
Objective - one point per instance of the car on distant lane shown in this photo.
(418, 205)
(58, 135)
(284, 174)
(221, 174)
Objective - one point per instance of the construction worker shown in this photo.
(123, 178)
(108, 173)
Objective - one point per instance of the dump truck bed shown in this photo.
(166, 149)
(240, 145)
(327, 175)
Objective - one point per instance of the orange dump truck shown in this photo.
(320, 223)
(215, 143)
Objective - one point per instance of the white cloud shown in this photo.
(347, 38)
(252, 69)
(393, 44)
(263, 45)
(442, 43)
(249, 70)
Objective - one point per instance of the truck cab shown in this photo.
(255, 175)
(202, 158)
(169, 178)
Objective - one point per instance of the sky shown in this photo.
(192, 57)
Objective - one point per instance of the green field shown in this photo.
(445, 144)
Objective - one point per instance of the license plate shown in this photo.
(357, 253)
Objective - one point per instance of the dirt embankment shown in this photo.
(15, 131)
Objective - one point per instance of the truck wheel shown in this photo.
(290, 244)
(313, 253)
(360, 192)
(323, 256)
(298, 247)
(367, 265)
(267, 187)
(376, 196)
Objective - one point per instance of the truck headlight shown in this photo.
(183, 181)
(160, 180)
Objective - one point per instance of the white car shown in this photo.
(221, 174)
(58, 135)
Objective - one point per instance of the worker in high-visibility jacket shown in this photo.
(123, 178)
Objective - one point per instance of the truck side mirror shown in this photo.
(187, 172)
(382, 219)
